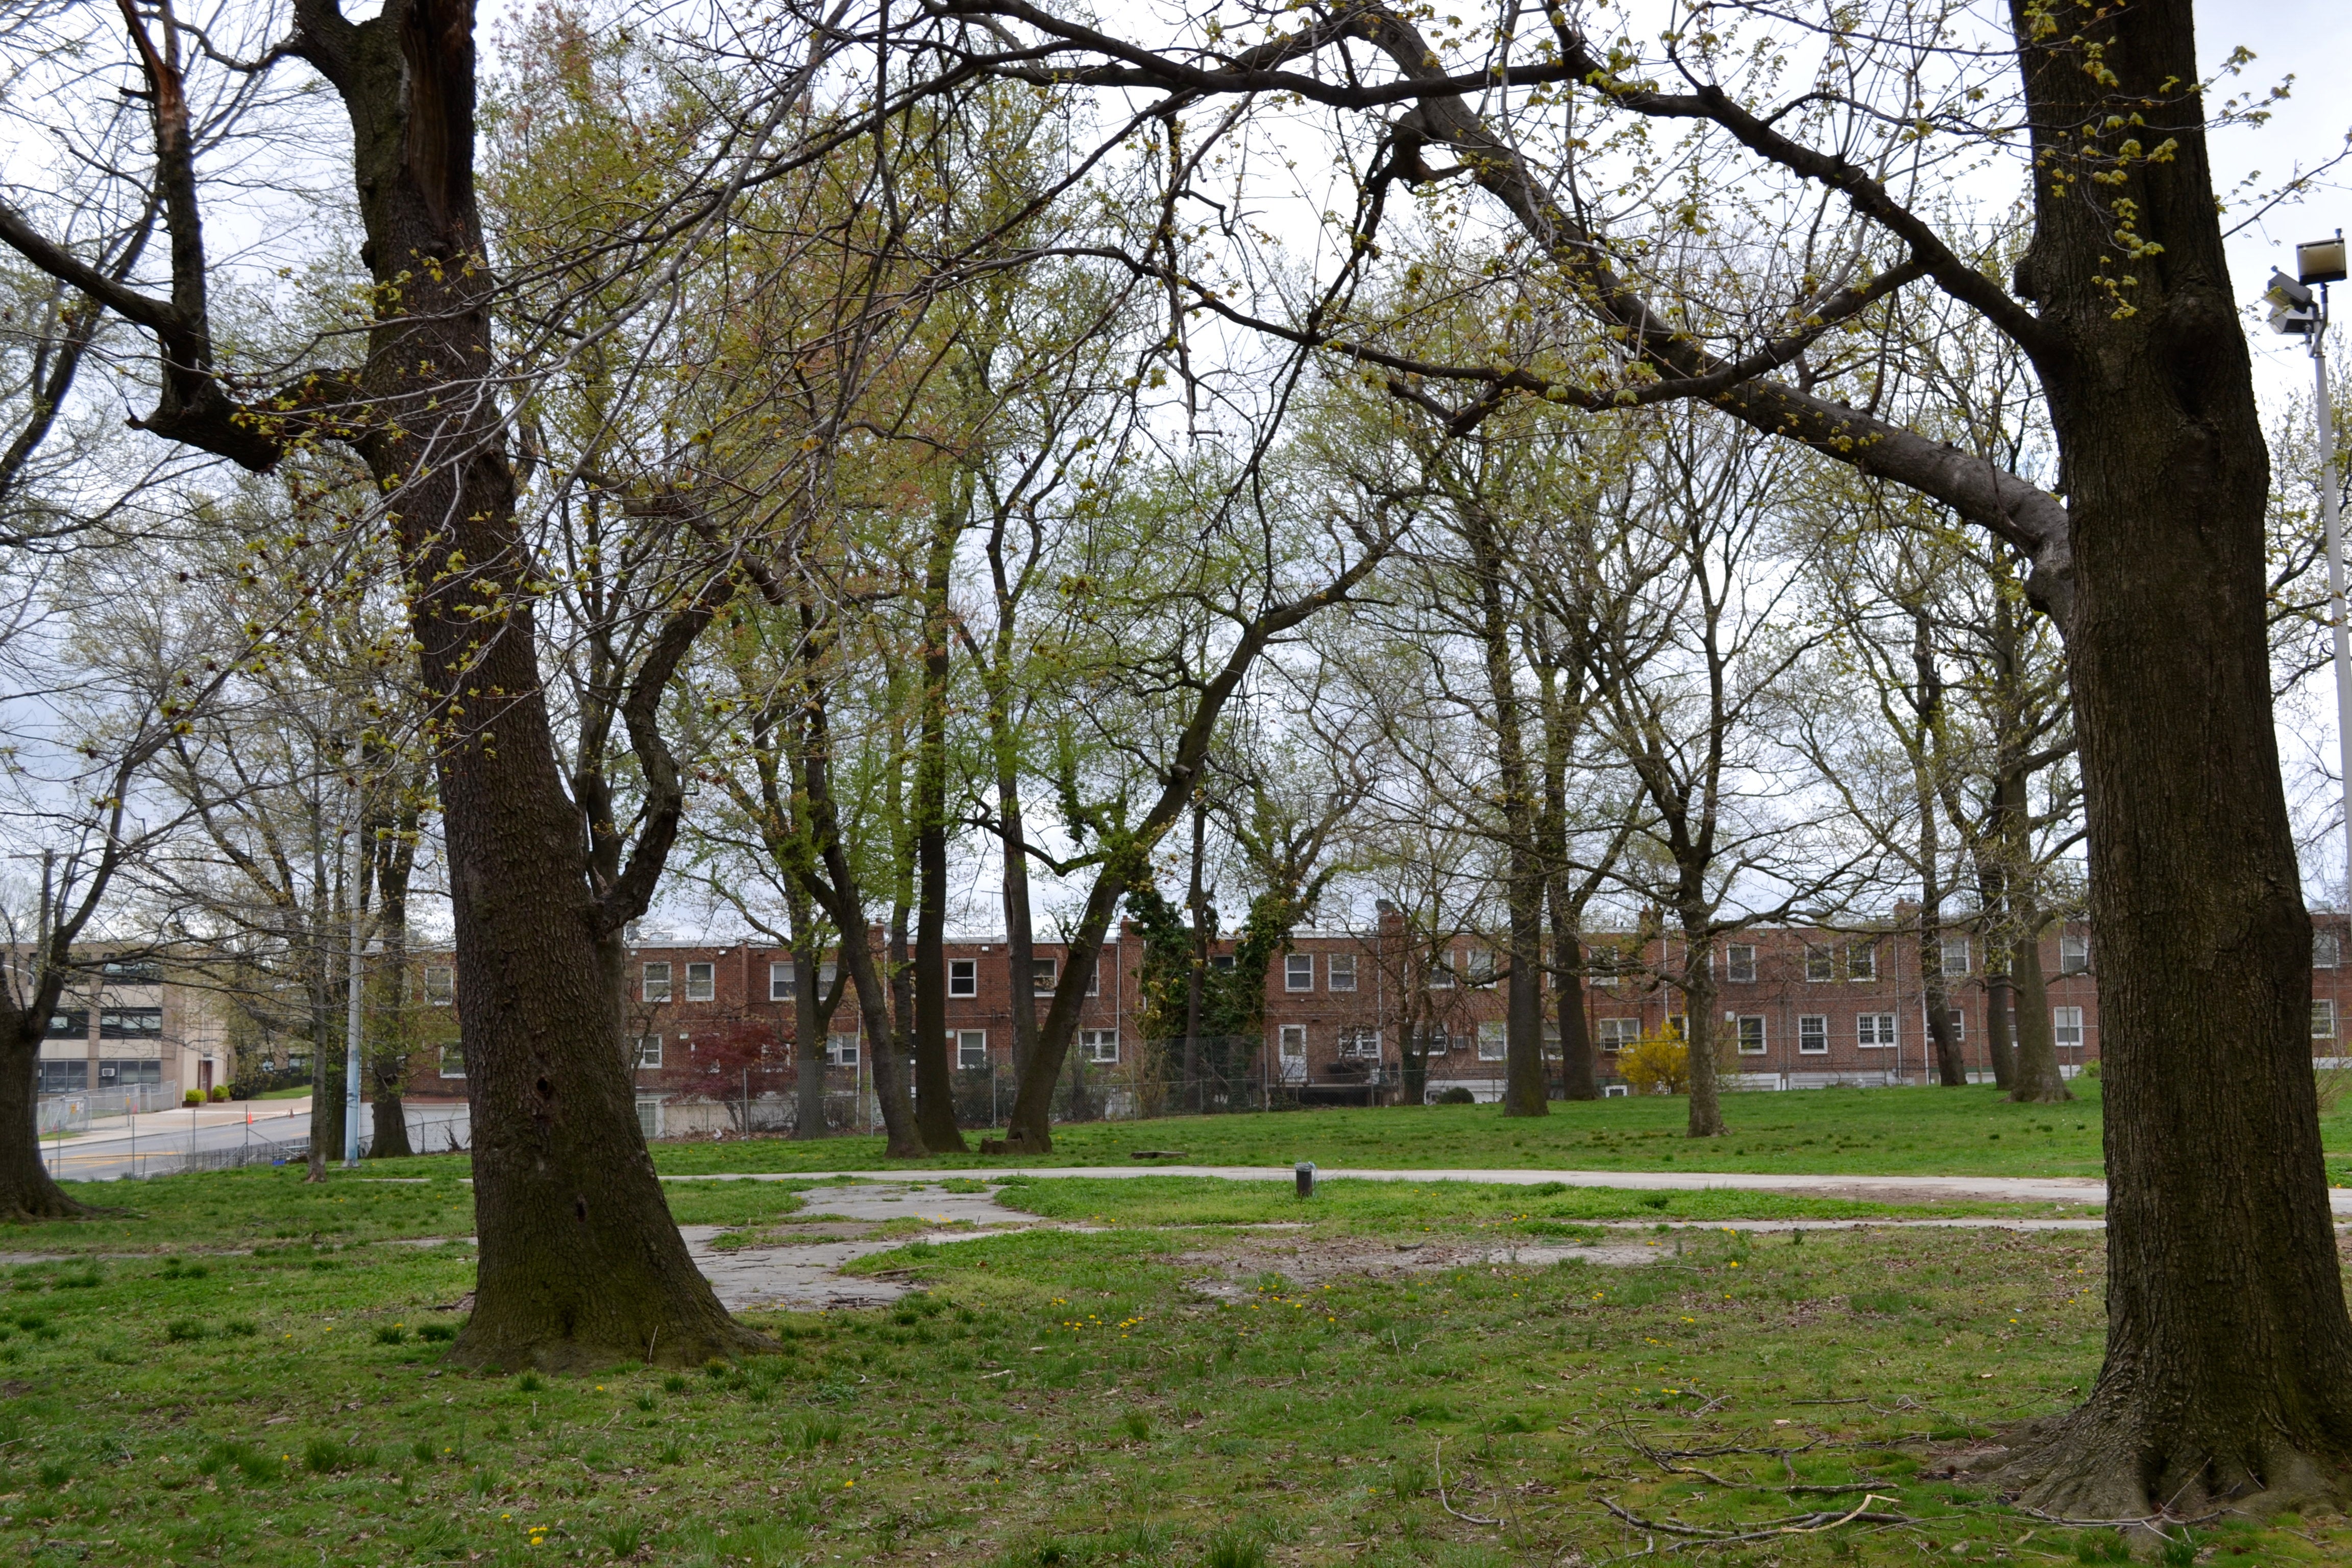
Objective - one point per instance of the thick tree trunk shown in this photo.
(810, 1025)
(580, 1264)
(2228, 1358)
(1951, 1069)
(326, 1069)
(1579, 1072)
(1524, 1090)
(27, 1191)
(2035, 1080)
(1020, 930)
(393, 847)
(1699, 998)
(1951, 1066)
(1196, 976)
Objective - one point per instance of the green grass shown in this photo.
(1875, 1132)
(1049, 1398)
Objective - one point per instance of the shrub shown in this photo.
(1657, 1064)
(193, 1096)
(219, 1093)
(1458, 1095)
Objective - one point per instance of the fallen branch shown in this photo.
(1796, 1524)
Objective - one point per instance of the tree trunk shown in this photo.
(1951, 1069)
(1578, 1071)
(392, 845)
(27, 1191)
(2229, 1357)
(811, 1025)
(1196, 974)
(1951, 1066)
(934, 1076)
(580, 1264)
(1020, 931)
(2001, 1046)
(1699, 1025)
(2036, 1080)
(326, 1061)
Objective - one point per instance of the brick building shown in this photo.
(1800, 1009)
(127, 1025)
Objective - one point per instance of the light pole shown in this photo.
(2296, 311)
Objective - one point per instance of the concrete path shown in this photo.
(1878, 1189)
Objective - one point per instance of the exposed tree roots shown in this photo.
(2095, 1466)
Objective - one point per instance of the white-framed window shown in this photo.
(1812, 1034)
(1340, 972)
(658, 982)
(1955, 956)
(1751, 1033)
(1551, 1041)
(840, 1051)
(1617, 1034)
(1298, 971)
(1601, 965)
(1439, 1042)
(648, 1051)
(1861, 961)
(1100, 1045)
(1045, 973)
(1293, 1042)
(825, 977)
(1493, 1040)
(783, 983)
(1094, 972)
(2073, 951)
(2327, 949)
(964, 977)
(2323, 1019)
(650, 1116)
(1440, 973)
(1873, 1031)
(1479, 967)
(440, 984)
(2066, 1027)
(1359, 1043)
(701, 982)
(1740, 963)
(1952, 1015)
(1821, 967)
(971, 1048)
(452, 1061)
(1220, 960)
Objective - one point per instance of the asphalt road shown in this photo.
(160, 1144)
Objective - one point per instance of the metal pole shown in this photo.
(2328, 513)
(355, 977)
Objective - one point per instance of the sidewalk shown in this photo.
(189, 1119)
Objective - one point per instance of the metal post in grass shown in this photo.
(1303, 1174)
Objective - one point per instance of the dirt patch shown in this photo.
(1231, 1272)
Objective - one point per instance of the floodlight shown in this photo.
(2294, 308)
(2321, 260)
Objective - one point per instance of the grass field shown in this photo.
(1880, 1131)
(268, 1390)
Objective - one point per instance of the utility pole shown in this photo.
(2296, 311)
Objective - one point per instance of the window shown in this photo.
(1493, 1040)
(131, 1024)
(1952, 1015)
(1094, 970)
(971, 1048)
(1955, 956)
(73, 1026)
(1601, 965)
(783, 983)
(1875, 1031)
(1678, 1026)
(1220, 960)
(1751, 1033)
(701, 982)
(964, 977)
(1298, 971)
(1740, 964)
(649, 1050)
(1818, 966)
(1340, 972)
(1437, 1043)
(656, 982)
(840, 1051)
(1044, 973)
(2327, 949)
(71, 1078)
(453, 1060)
(123, 1074)
(1618, 1034)
(2074, 953)
(1551, 1041)
(825, 978)
(2322, 1020)
(1860, 961)
(1359, 1043)
(133, 971)
(440, 984)
(1100, 1045)
(1440, 973)
(1294, 1042)
(1812, 1034)
(2066, 1027)
(1480, 968)
(649, 1117)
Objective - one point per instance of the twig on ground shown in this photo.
(1796, 1524)
(1437, 1462)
